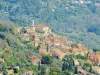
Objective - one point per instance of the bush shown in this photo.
(29, 46)
(87, 64)
(79, 56)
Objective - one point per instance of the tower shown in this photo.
(33, 23)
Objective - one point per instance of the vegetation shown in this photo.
(79, 22)
(79, 56)
(15, 51)
(47, 60)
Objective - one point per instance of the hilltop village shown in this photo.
(48, 49)
(50, 43)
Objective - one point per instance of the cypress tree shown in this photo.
(76, 70)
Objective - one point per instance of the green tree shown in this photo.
(47, 60)
(35, 69)
(5, 73)
(3, 66)
(67, 72)
(90, 70)
(76, 70)
(87, 64)
(43, 70)
(29, 46)
(79, 56)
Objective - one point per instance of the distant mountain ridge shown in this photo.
(80, 22)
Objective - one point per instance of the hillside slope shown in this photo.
(23, 40)
(80, 22)
(38, 50)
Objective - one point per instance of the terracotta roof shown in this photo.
(91, 54)
(28, 70)
(34, 59)
(94, 57)
(57, 52)
(84, 48)
(41, 51)
(97, 53)
(82, 72)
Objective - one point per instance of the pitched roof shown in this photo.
(34, 59)
(28, 70)
(57, 52)
(98, 56)
(91, 54)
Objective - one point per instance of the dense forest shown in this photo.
(79, 22)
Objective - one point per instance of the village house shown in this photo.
(64, 49)
(57, 53)
(83, 52)
(41, 28)
(81, 71)
(1, 73)
(53, 47)
(97, 69)
(73, 50)
(10, 71)
(50, 44)
(28, 72)
(51, 37)
(77, 51)
(19, 29)
(43, 50)
(91, 56)
(84, 49)
(56, 41)
(26, 37)
(35, 39)
(63, 41)
(76, 62)
(81, 46)
(59, 41)
(98, 57)
(94, 57)
(35, 60)
(30, 29)
(1, 60)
